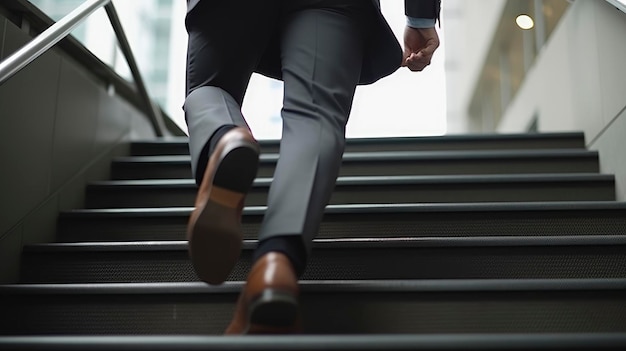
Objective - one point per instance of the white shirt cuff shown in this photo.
(414, 22)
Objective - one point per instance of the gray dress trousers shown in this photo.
(320, 44)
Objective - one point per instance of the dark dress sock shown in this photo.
(217, 136)
(290, 245)
(208, 148)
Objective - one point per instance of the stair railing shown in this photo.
(620, 4)
(59, 30)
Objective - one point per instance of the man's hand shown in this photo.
(419, 46)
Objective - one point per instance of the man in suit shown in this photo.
(321, 49)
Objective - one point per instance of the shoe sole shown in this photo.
(273, 311)
(216, 236)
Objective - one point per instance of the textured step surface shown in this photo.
(368, 190)
(427, 258)
(439, 306)
(512, 240)
(410, 220)
(448, 342)
(178, 146)
(390, 163)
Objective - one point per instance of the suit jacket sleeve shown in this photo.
(422, 8)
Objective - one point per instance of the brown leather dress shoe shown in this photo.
(214, 229)
(268, 303)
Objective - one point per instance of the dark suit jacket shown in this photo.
(383, 53)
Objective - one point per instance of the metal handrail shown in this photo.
(20, 59)
(58, 31)
(620, 4)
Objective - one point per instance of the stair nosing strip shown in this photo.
(447, 137)
(527, 341)
(390, 180)
(377, 208)
(350, 243)
(329, 286)
(385, 156)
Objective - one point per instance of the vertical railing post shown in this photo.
(153, 112)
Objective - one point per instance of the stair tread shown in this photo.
(398, 155)
(569, 140)
(376, 189)
(398, 258)
(387, 180)
(371, 208)
(358, 221)
(390, 163)
(491, 136)
(527, 341)
(451, 137)
(363, 307)
(330, 287)
(433, 242)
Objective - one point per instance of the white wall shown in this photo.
(578, 82)
(469, 28)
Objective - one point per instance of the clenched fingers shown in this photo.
(416, 62)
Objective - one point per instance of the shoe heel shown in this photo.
(238, 167)
(273, 309)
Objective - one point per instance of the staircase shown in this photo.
(504, 242)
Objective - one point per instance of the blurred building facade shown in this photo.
(567, 73)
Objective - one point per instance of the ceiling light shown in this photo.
(525, 22)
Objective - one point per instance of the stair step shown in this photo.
(179, 146)
(345, 221)
(390, 163)
(448, 342)
(344, 307)
(393, 189)
(400, 258)
(481, 241)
